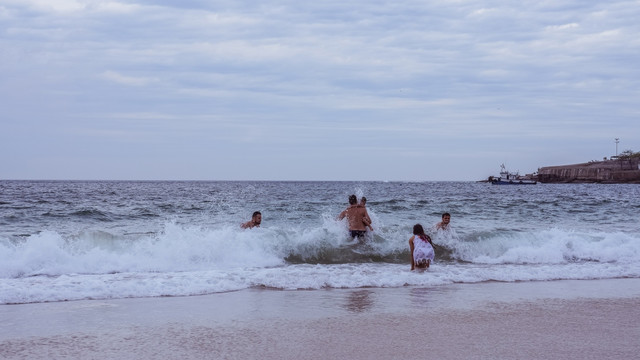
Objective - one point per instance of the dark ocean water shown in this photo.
(65, 240)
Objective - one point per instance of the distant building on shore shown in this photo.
(619, 169)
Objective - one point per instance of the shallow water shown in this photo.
(483, 321)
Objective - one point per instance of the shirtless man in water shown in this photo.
(357, 217)
(255, 221)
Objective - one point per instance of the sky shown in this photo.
(324, 90)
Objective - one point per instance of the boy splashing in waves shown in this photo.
(443, 232)
(444, 224)
(256, 220)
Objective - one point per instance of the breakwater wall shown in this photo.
(607, 171)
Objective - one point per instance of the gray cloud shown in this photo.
(460, 86)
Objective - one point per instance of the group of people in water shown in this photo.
(420, 244)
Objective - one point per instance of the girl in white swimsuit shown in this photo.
(421, 248)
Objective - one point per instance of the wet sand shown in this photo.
(593, 319)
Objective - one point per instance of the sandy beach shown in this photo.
(592, 319)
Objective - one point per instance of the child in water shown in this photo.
(421, 248)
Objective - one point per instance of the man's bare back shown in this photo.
(356, 216)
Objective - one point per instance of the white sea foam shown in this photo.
(187, 260)
(98, 240)
(552, 246)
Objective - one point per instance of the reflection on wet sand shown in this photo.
(359, 301)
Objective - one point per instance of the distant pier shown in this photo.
(614, 171)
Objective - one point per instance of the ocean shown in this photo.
(80, 240)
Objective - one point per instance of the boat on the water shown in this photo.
(510, 178)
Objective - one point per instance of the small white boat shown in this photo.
(510, 178)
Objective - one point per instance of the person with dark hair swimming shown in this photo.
(255, 221)
(363, 202)
(421, 248)
(357, 217)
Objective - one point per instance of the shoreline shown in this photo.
(568, 319)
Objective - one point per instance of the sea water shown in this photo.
(72, 240)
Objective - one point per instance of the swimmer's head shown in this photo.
(256, 218)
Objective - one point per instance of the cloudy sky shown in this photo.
(323, 90)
